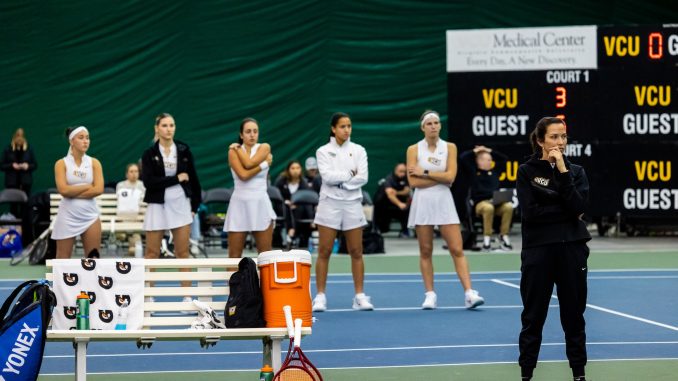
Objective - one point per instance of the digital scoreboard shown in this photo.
(615, 87)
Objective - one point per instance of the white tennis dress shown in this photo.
(76, 215)
(175, 212)
(250, 209)
(433, 205)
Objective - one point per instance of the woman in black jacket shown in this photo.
(172, 189)
(18, 163)
(289, 182)
(553, 195)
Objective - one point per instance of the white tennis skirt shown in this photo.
(249, 213)
(342, 215)
(174, 213)
(432, 206)
(74, 217)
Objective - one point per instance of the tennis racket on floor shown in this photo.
(36, 249)
(297, 367)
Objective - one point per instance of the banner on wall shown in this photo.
(108, 282)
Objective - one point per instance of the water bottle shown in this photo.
(138, 249)
(335, 246)
(313, 242)
(121, 321)
(82, 316)
(266, 373)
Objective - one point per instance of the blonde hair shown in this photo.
(19, 134)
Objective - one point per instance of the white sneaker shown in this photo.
(430, 302)
(320, 303)
(472, 299)
(362, 302)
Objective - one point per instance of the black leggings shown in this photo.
(562, 264)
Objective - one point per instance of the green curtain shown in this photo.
(112, 66)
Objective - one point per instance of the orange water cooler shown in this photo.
(285, 278)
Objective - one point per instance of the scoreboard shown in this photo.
(616, 87)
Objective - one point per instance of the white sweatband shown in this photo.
(76, 131)
(429, 116)
(263, 165)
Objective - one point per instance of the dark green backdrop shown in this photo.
(114, 65)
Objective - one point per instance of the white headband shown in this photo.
(76, 131)
(428, 116)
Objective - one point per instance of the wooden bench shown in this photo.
(205, 272)
(111, 221)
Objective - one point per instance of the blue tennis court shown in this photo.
(631, 315)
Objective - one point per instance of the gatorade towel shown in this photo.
(108, 282)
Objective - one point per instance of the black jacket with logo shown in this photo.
(155, 181)
(551, 202)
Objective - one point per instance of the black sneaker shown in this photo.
(487, 248)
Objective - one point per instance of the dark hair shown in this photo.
(286, 172)
(335, 119)
(162, 116)
(242, 126)
(130, 166)
(70, 129)
(539, 132)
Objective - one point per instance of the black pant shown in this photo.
(385, 211)
(565, 265)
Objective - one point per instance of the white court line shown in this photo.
(595, 277)
(364, 367)
(603, 309)
(370, 349)
(438, 308)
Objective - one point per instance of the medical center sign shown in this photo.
(520, 49)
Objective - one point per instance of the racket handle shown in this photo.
(288, 320)
(297, 333)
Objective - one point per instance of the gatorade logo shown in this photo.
(88, 264)
(123, 267)
(122, 299)
(105, 282)
(70, 312)
(22, 346)
(92, 296)
(70, 279)
(106, 316)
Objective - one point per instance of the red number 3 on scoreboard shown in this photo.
(561, 97)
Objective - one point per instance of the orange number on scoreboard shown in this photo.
(561, 97)
(655, 46)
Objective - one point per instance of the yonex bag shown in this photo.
(23, 328)
(245, 305)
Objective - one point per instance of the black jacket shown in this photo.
(14, 178)
(551, 202)
(282, 184)
(483, 183)
(155, 181)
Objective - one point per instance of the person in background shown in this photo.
(392, 201)
(343, 166)
(477, 163)
(250, 208)
(131, 191)
(313, 178)
(553, 195)
(289, 183)
(18, 163)
(79, 179)
(431, 169)
(173, 191)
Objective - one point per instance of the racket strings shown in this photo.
(294, 373)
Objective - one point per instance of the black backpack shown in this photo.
(23, 330)
(245, 305)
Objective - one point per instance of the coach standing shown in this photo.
(553, 194)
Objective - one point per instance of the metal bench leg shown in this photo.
(80, 345)
(272, 352)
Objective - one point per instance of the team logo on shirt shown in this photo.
(434, 160)
(542, 181)
(79, 174)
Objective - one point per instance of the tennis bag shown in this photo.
(245, 305)
(23, 329)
